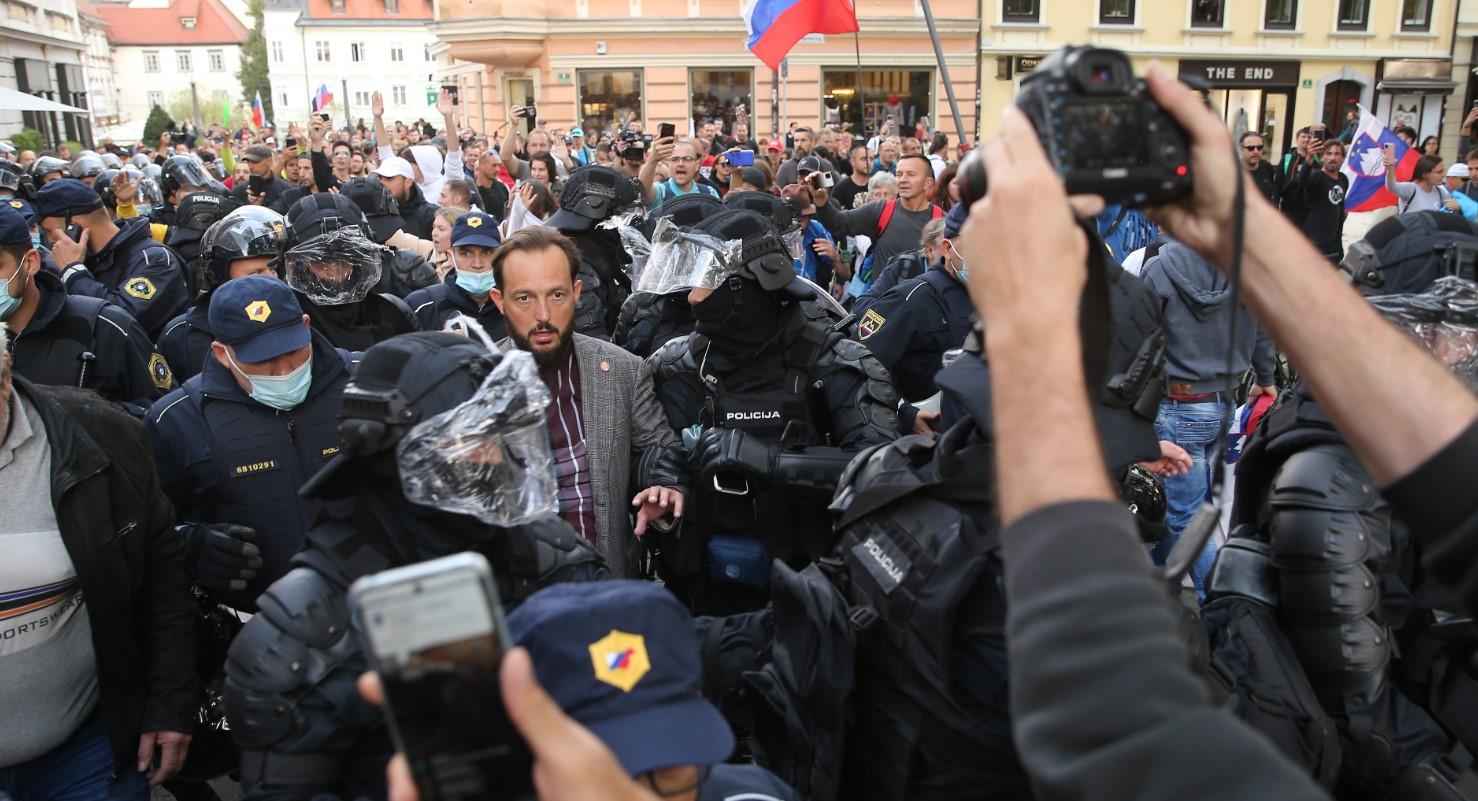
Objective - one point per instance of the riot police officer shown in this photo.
(649, 319)
(48, 168)
(592, 195)
(248, 241)
(196, 212)
(180, 176)
(772, 403)
(73, 340)
(405, 271)
(120, 263)
(911, 326)
(467, 289)
(330, 261)
(299, 652)
(87, 167)
(235, 443)
(1314, 541)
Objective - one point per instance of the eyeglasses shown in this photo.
(1253, 147)
(680, 159)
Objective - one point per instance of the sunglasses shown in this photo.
(1253, 147)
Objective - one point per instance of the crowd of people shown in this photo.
(882, 494)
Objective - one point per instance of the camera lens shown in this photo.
(971, 178)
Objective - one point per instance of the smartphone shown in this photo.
(292, 141)
(451, 89)
(1390, 149)
(666, 130)
(820, 180)
(257, 185)
(742, 158)
(436, 636)
(74, 231)
(324, 117)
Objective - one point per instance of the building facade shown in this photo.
(597, 63)
(183, 55)
(1270, 65)
(99, 70)
(42, 52)
(351, 48)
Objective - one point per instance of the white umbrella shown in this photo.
(12, 100)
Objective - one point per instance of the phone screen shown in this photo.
(256, 184)
(742, 158)
(438, 640)
(666, 130)
(74, 231)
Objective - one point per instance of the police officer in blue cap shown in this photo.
(911, 326)
(235, 443)
(467, 289)
(68, 339)
(100, 258)
(620, 658)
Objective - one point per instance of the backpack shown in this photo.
(864, 271)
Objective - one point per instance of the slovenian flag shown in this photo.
(322, 97)
(776, 25)
(1365, 164)
(258, 115)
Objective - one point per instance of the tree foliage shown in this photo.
(28, 139)
(253, 74)
(158, 123)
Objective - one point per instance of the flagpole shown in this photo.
(861, 107)
(949, 88)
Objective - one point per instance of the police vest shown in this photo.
(65, 353)
(648, 321)
(260, 460)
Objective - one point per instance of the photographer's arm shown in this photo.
(1358, 366)
(382, 138)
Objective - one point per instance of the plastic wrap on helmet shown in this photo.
(1444, 319)
(628, 227)
(149, 193)
(686, 260)
(337, 268)
(489, 457)
(794, 241)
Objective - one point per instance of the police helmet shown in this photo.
(685, 211)
(1144, 494)
(781, 213)
(1403, 255)
(399, 383)
(763, 256)
(111, 161)
(382, 213)
(155, 173)
(87, 166)
(247, 232)
(326, 233)
(7, 149)
(10, 176)
(198, 211)
(592, 193)
(140, 160)
(47, 168)
(183, 171)
(104, 187)
(149, 192)
(317, 214)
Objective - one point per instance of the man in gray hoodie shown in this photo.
(1197, 303)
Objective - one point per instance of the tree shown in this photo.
(158, 123)
(28, 139)
(253, 74)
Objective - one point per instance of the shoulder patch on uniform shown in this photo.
(870, 324)
(159, 372)
(141, 288)
(16, 204)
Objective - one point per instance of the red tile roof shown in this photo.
(214, 24)
(368, 9)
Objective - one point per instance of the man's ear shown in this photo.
(578, 286)
(497, 296)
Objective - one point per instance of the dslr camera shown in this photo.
(633, 145)
(1101, 129)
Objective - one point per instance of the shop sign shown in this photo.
(1027, 63)
(1233, 73)
(563, 76)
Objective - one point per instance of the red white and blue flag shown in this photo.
(776, 25)
(258, 115)
(322, 97)
(1365, 164)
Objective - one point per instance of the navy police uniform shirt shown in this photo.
(727, 782)
(133, 271)
(909, 329)
(185, 343)
(436, 304)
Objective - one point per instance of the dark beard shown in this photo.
(551, 357)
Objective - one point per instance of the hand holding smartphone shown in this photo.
(666, 130)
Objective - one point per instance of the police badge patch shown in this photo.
(870, 324)
(159, 372)
(141, 288)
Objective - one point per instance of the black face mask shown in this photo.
(740, 317)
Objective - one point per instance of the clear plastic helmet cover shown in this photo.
(682, 260)
(337, 268)
(795, 242)
(1444, 319)
(488, 457)
(154, 171)
(635, 243)
(149, 192)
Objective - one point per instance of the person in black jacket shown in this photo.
(99, 695)
(468, 288)
(259, 159)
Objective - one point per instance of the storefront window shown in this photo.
(722, 96)
(902, 96)
(608, 99)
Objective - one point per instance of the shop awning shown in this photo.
(1416, 86)
(1416, 76)
(14, 100)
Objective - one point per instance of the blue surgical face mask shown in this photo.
(143, 209)
(476, 284)
(282, 392)
(36, 239)
(962, 272)
(9, 303)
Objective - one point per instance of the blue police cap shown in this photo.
(66, 197)
(259, 317)
(23, 206)
(476, 228)
(14, 228)
(620, 657)
(955, 220)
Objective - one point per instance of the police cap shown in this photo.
(259, 317)
(476, 228)
(66, 197)
(13, 227)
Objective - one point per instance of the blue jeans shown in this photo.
(80, 769)
(1195, 426)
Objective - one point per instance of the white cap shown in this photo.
(1458, 170)
(395, 166)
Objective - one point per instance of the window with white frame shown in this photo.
(320, 49)
(357, 51)
(182, 60)
(397, 95)
(151, 61)
(277, 52)
(397, 53)
(156, 99)
(361, 98)
(217, 60)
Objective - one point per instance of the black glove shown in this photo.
(730, 452)
(222, 556)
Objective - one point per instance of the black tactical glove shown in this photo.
(730, 453)
(222, 556)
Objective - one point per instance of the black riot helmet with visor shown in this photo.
(12, 175)
(246, 233)
(47, 168)
(187, 171)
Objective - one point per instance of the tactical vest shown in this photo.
(260, 460)
(648, 321)
(65, 353)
